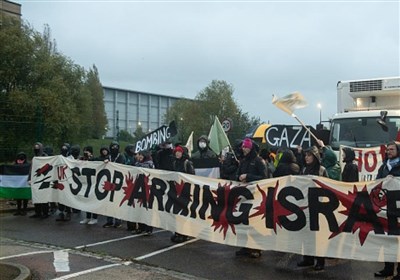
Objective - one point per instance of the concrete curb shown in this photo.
(7, 270)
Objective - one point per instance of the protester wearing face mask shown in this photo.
(204, 150)
(22, 204)
(41, 209)
(69, 152)
(117, 157)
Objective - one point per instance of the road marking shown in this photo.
(114, 240)
(165, 250)
(61, 261)
(25, 254)
(72, 275)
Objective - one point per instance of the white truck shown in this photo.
(368, 113)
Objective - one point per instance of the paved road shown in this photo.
(69, 250)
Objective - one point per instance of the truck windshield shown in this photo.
(363, 132)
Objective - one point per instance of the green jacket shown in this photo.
(330, 162)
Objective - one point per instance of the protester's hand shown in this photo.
(320, 143)
(242, 178)
(106, 161)
(299, 149)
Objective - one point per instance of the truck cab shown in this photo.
(362, 129)
(368, 113)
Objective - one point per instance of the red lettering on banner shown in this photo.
(359, 159)
(368, 167)
(61, 172)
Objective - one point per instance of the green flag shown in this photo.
(217, 137)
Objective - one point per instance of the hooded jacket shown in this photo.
(39, 151)
(330, 162)
(183, 164)
(203, 152)
(102, 157)
(252, 165)
(130, 154)
(287, 165)
(229, 167)
(350, 170)
(21, 158)
(315, 168)
(65, 150)
(115, 155)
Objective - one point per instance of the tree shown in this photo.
(99, 114)
(138, 134)
(125, 136)
(44, 95)
(214, 100)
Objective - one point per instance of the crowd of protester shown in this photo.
(244, 162)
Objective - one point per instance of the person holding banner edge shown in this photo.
(41, 209)
(22, 204)
(117, 157)
(183, 164)
(390, 167)
(313, 166)
(251, 168)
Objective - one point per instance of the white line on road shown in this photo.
(61, 261)
(164, 250)
(25, 254)
(113, 240)
(86, 271)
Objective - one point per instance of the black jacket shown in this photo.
(384, 171)
(287, 165)
(229, 167)
(350, 170)
(254, 166)
(183, 165)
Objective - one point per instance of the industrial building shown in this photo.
(8, 8)
(129, 109)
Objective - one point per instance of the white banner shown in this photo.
(299, 214)
(368, 161)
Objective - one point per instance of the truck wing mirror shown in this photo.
(382, 121)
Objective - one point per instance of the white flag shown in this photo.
(189, 144)
(290, 102)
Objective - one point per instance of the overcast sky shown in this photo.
(260, 47)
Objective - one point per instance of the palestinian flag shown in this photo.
(206, 167)
(14, 181)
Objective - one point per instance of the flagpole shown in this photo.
(309, 131)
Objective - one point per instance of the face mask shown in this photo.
(36, 151)
(64, 152)
(202, 145)
(114, 151)
(75, 154)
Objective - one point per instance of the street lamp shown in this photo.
(320, 112)
(319, 125)
(181, 130)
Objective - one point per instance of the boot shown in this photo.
(61, 217)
